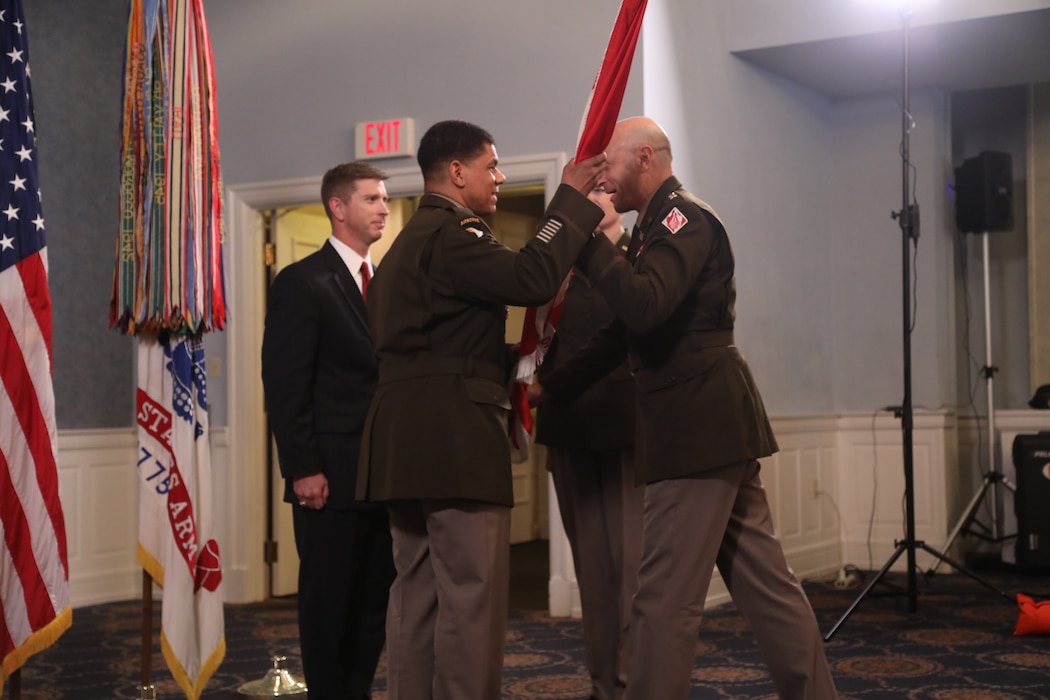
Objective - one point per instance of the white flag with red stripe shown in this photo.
(596, 128)
(177, 543)
(34, 564)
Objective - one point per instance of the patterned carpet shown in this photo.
(959, 645)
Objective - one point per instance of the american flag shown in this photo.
(34, 567)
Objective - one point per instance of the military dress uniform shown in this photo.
(590, 456)
(702, 428)
(436, 448)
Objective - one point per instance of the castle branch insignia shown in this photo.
(675, 220)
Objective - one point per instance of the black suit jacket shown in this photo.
(319, 372)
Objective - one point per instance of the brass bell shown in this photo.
(276, 683)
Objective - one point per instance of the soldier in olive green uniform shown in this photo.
(702, 428)
(436, 447)
(590, 455)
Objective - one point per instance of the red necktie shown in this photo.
(366, 274)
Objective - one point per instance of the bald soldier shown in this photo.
(701, 426)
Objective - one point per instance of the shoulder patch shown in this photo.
(675, 220)
(478, 229)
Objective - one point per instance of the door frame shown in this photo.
(245, 571)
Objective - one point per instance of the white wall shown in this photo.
(761, 23)
(294, 77)
(755, 147)
(867, 254)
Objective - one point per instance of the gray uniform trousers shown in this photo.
(447, 616)
(601, 510)
(719, 517)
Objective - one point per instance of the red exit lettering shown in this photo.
(383, 137)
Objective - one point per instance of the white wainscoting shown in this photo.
(99, 491)
(872, 485)
(870, 468)
(98, 485)
(835, 478)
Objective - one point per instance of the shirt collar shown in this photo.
(349, 255)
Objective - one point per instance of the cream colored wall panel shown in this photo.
(810, 507)
(68, 488)
(784, 499)
(871, 449)
(97, 482)
(109, 496)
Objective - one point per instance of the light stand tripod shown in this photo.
(908, 219)
(993, 478)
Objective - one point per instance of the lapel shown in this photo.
(345, 286)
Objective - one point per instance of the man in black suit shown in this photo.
(319, 373)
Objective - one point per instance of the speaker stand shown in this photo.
(993, 478)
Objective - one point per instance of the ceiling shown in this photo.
(1012, 49)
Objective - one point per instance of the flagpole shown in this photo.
(168, 292)
(147, 631)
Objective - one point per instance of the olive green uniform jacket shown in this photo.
(437, 427)
(698, 406)
(602, 418)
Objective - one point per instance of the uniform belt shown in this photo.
(437, 366)
(694, 340)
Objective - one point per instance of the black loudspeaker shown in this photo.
(1032, 459)
(984, 188)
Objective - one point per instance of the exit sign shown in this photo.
(387, 139)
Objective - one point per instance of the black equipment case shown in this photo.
(1031, 455)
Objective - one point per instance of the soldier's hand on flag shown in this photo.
(583, 176)
(535, 394)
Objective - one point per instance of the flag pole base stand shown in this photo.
(277, 682)
(147, 692)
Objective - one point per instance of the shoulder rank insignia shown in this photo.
(675, 220)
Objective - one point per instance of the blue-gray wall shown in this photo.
(805, 184)
(76, 52)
